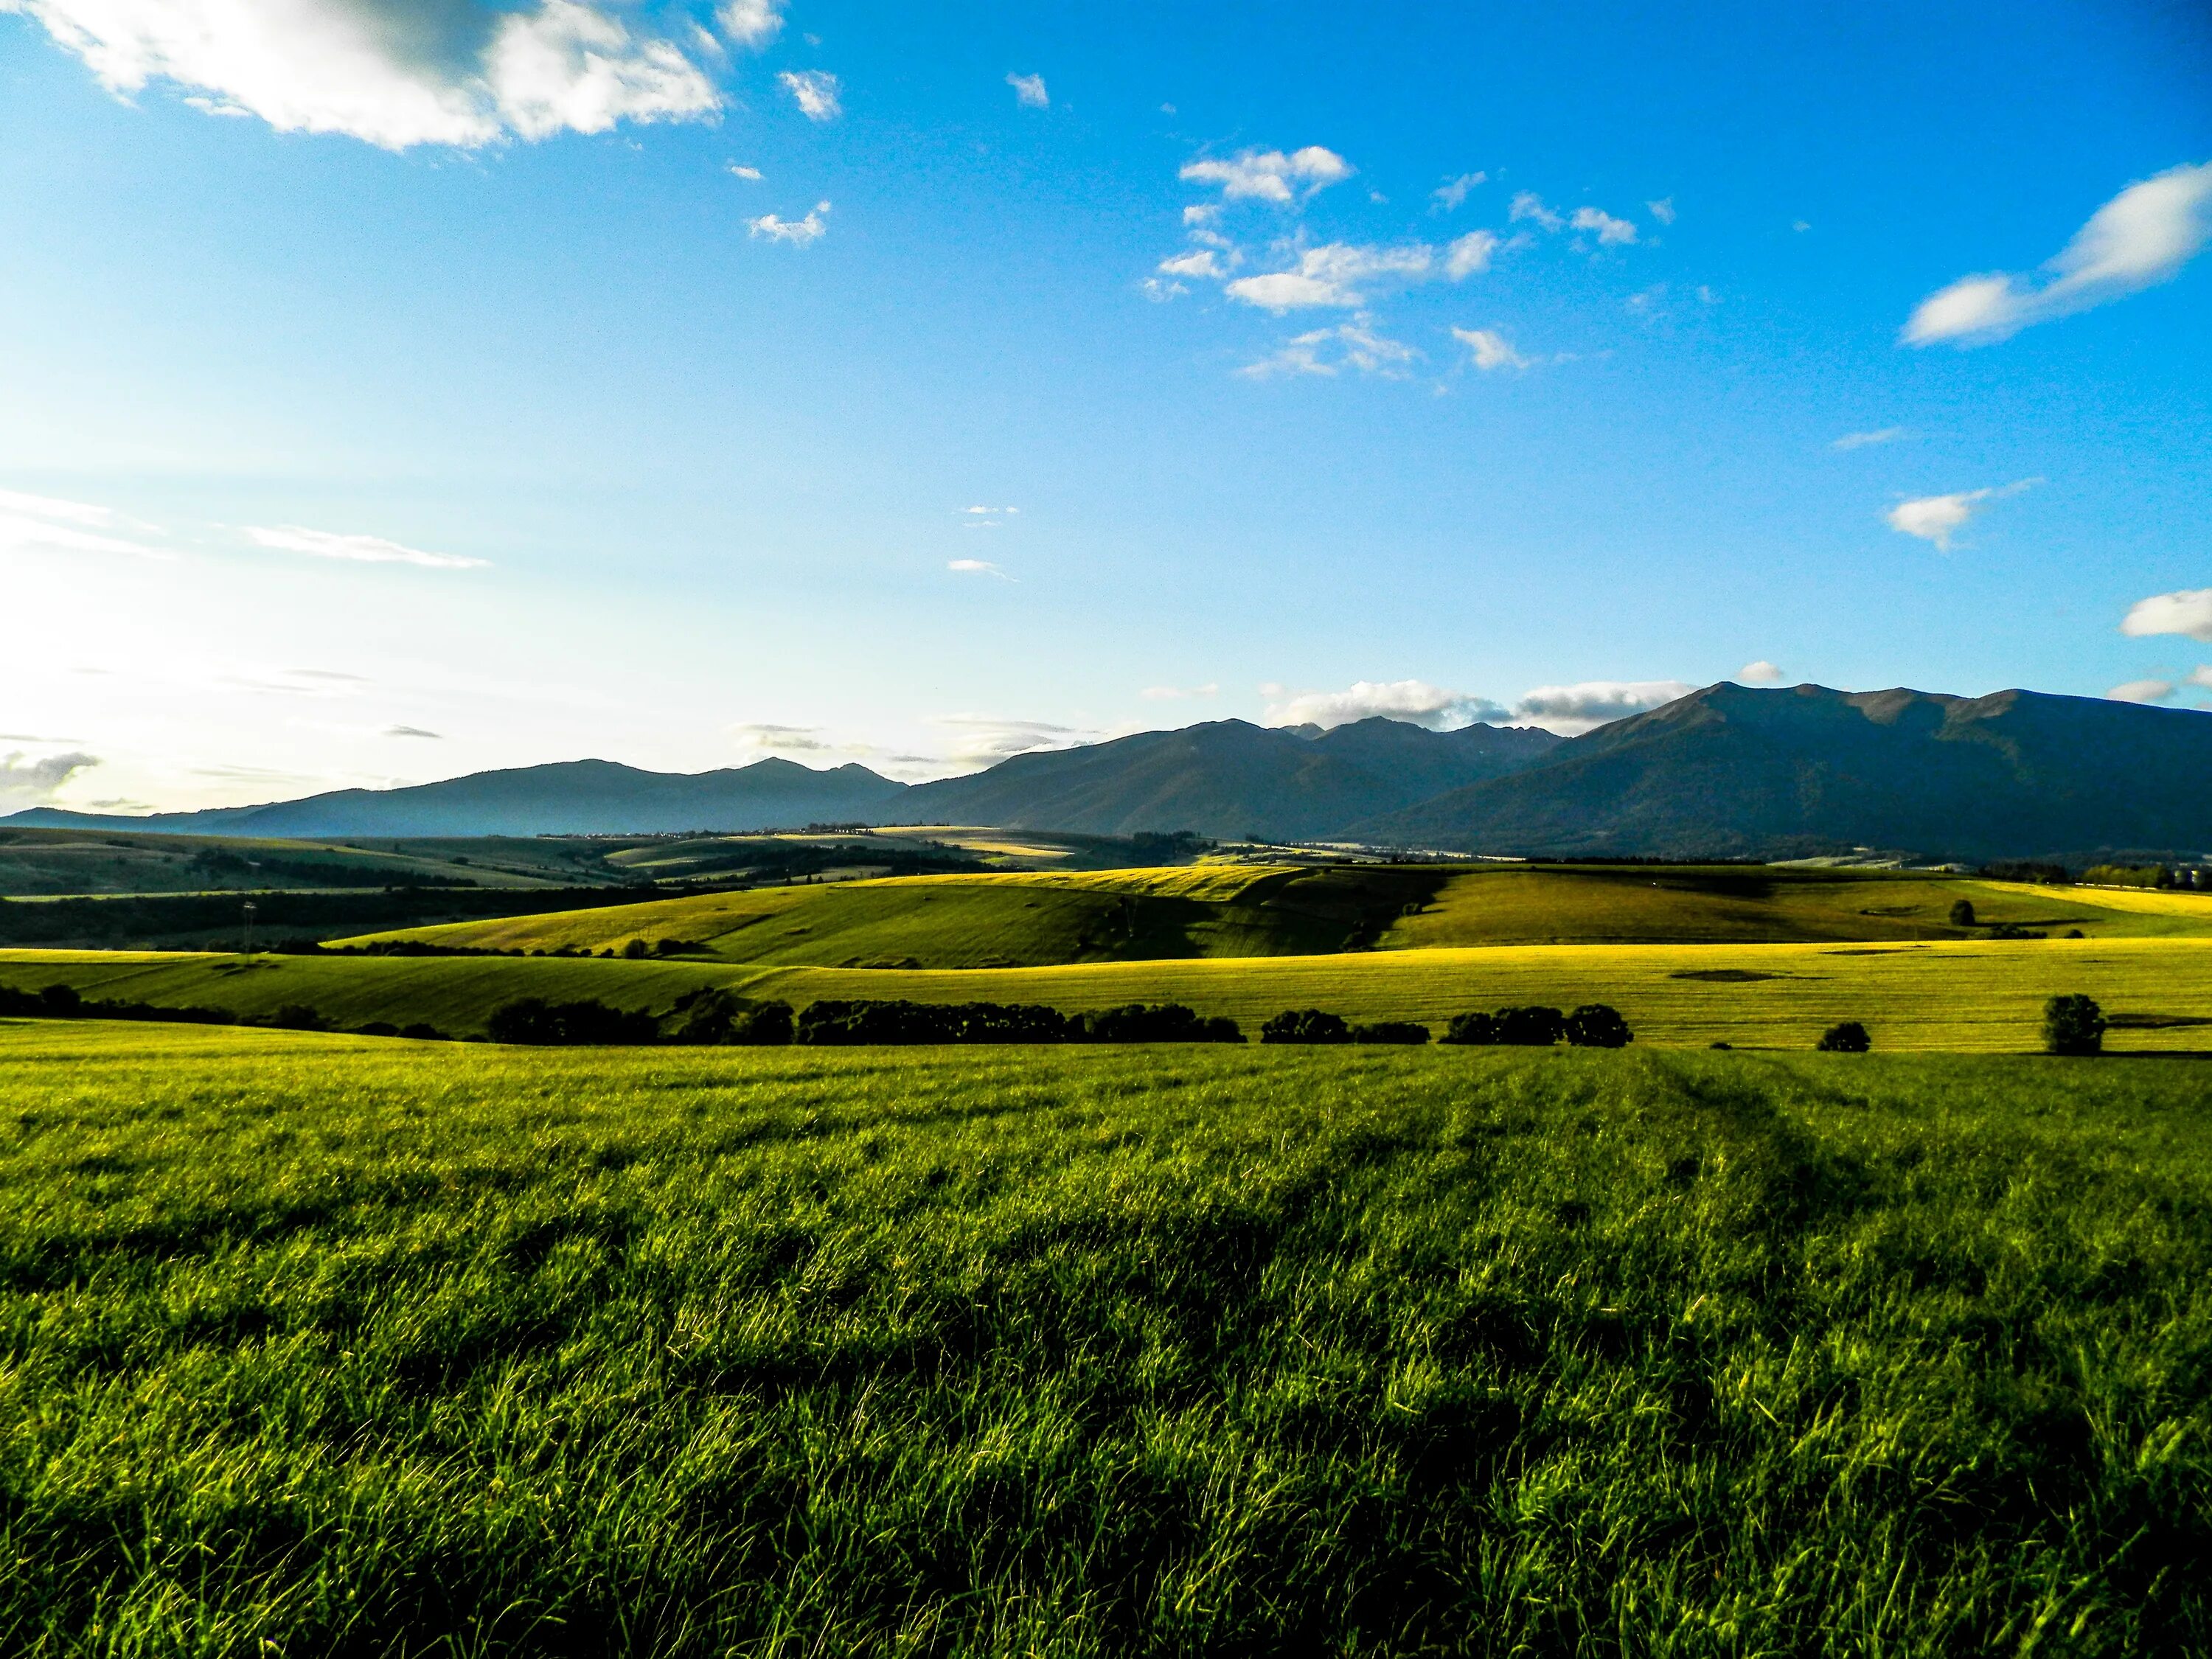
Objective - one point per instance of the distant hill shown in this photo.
(1224, 778)
(1733, 772)
(573, 798)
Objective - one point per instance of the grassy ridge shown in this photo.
(1963, 997)
(1035, 919)
(318, 1346)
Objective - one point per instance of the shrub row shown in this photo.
(1593, 1026)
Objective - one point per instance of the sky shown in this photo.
(394, 389)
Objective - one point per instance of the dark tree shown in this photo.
(1305, 1026)
(1962, 913)
(1594, 1025)
(2073, 1025)
(1849, 1038)
(1530, 1028)
(1472, 1030)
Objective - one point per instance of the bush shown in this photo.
(1962, 913)
(1597, 1025)
(636, 950)
(1530, 1028)
(1849, 1038)
(299, 1016)
(534, 1020)
(1305, 1026)
(2073, 1025)
(60, 1001)
(1390, 1030)
(421, 1033)
(1471, 1029)
(378, 1028)
(1152, 1022)
(886, 1021)
(717, 1017)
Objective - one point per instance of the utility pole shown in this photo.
(249, 927)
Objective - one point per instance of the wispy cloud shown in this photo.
(2187, 611)
(1270, 175)
(797, 232)
(779, 739)
(412, 731)
(1938, 518)
(1610, 232)
(1487, 350)
(1327, 351)
(1449, 195)
(363, 549)
(1029, 91)
(1663, 210)
(1887, 435)
(1761, 672)
(1415, 702)
(33, 782)
(2142, 691)
(41, 521)
(750, 174)
(2141, 237)
(395, 73)
(815, 91)
(979, 740)
(976, 567)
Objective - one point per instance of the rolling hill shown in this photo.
(1729, 772)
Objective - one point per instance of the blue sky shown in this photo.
(372, 369)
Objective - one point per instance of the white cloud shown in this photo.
(1199, 262)
(2189, 611)
(1335, 274)
(797, 232)
(1887, 435)
(1663, 210)
(2141, 237)
(32, 783)
(1489, 348)
(2142, 692)
(1468, 255)
(977, 568)
(1029, 91)
(980, 741)
(1415, 702)
(750, 22)
(780, 739)
(412, 731)
(1354, 345)
(1449, 194)
(752, 174)
(1272, 176)
(1648, 303)
(1761, 672)
(41, 521)
(395, 73)
(1570, 710)
(367, 550)
(1937, 518)
(1610, 232)
(1527, 204)
(815, 91)
(1174, 692)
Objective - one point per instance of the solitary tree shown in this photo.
(2073, 1025)
(1962, 913)
(1849, 1038)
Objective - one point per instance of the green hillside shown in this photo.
(1035, 919)
(46, 862)
(315, 1346)
(1962, 996)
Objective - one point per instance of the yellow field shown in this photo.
(1967, 996)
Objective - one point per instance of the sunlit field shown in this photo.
(326, 1344)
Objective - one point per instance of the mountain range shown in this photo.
(1728, 771)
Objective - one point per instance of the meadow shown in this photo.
(317, 1345)
(1981, 995)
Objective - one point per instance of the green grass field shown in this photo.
(318, 1346)
(1037, 919)
(1960, 996)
